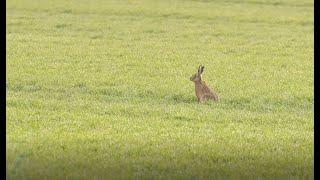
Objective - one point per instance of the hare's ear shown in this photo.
(201, 68)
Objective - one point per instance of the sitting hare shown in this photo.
(203, 91)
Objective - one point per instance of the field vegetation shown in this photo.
(100, 89)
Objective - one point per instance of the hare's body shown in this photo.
(203, 91)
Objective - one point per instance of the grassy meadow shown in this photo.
(100, 89)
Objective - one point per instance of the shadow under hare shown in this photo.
(203, 91)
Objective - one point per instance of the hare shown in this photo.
(203, 91)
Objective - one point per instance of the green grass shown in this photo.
(100, 89)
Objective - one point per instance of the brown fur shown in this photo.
(203, 91)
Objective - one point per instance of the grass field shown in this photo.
(100, 89)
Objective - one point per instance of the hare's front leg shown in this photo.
(200, 100)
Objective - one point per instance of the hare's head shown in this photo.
(197, 77)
